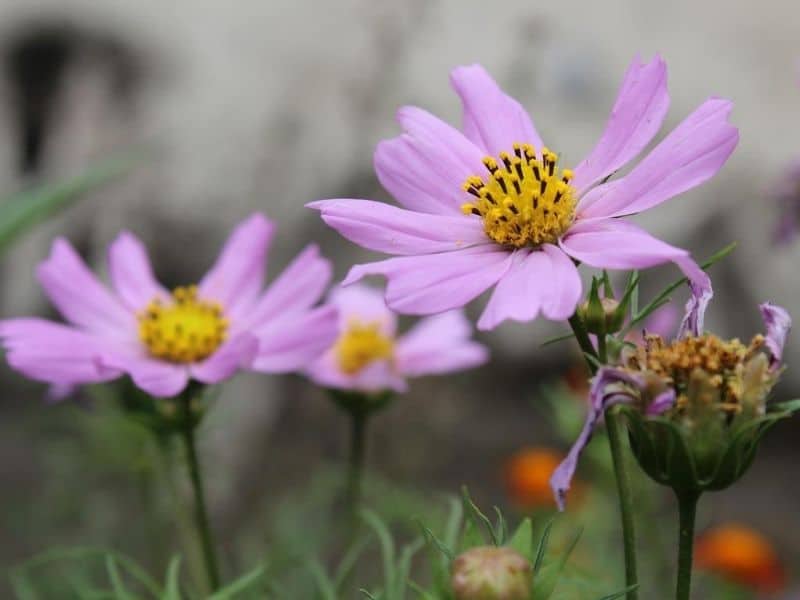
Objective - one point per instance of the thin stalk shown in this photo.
(358, 439)
(624, 491)
(625, 494)
(687, 508)
(200, 510)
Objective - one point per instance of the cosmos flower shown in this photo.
(742, 555)
(710, 388)
(369, 356)
(204, 332)
(491, 206)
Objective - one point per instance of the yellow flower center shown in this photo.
(360, 345)
(525, 202)
(184, 331)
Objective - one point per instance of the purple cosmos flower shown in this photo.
(161, 339)
(653, 393)
(491, 205)
(370, 356)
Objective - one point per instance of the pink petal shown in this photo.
(364, 304)
(238, 274)
(131, 273)
(778, 323)
(439, 344)
(292, 343)
(80, 297)
(543, 280)
(56, 353)
(384, 228)
(690, 155)
(492, 120)
(295, 290)
(375, 377)
(423, 175)
(639, 111)
(238, 353)
(158, 378)
(434, 283)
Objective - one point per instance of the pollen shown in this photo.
(524, 199)
(360, 345)
(185, 330)
(720, 363)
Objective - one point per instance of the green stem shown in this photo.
(687, 508)
(200, 511)
(613, 428)
(614, 431)
(358, 438)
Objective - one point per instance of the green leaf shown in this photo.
(25, 209)
(620, 593)
(501, 528)
(120, 591)
(454, 521)
(348, 562)
(243, 583)
(546, 578)
(522, 540)
(542, 547)
(324, 585)
(435, 542)
(173, 587)
(475, 515)
(385, 540)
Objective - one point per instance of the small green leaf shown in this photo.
(542, 547)
(233, 590)
(385, 540)
(620, 593)
(324, 585)
(120, 591)
(501, 528)
(522, 540)
(475, 515)
(173, 588)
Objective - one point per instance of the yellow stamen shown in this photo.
(360, 345)
(524, 200)
(185, 330)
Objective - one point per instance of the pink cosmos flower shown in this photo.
(370, 356)
(491, 206)
(161, 339)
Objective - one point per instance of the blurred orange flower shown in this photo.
(527, 476)
(742, 555)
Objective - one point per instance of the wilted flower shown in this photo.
(369, 356)
(491, 204)
(742, 555)
(492, 573)
(204, 332)
(711, 392)
(527, 476)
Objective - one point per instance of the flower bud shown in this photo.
(601, 315)
(492, 573)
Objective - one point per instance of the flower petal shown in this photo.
(694, 151)
(235, 354)
(375, 377)
(158, 378)
(491, 119)
(80, 297)
(603, 394)
(295, 290)
(778, 323)
(131, 273)
(55, 353)
(238, 274)
(545, 280)
(434, 283)
(439, 344)
(364, 304)
(702, 292)
(290, 344)
(384, 228)
(637, 115)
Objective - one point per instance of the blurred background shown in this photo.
(264, 106)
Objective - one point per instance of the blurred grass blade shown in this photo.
(242, 584)
(173, 589)
(29, 207)
(385, 539)
(542, 548)
(120, 591)
(620, 593)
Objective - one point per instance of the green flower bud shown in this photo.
(492, 573)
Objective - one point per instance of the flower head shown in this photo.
(492, 573)
(369, 356)
(699, 403)
(491, 205)
(742, 555)
(162, 339)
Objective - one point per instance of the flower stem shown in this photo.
(200, 511)
(358, 438)
(613, 429)
(687, 508)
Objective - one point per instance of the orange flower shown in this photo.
(527, 475)
(742, 555)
